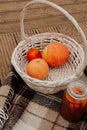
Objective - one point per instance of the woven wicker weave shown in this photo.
(58, 76)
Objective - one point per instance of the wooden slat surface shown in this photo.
(39, 15)
(38, 19)
(9, 40)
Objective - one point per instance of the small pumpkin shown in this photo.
(55, 54)
(33, 53)
(38, 68)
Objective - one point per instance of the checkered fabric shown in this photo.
(23, 109)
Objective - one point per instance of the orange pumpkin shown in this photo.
(55, 54)
(38, 68)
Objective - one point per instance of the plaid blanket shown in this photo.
(23, 109)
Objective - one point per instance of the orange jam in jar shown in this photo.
(74, 101)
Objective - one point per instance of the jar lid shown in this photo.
(77, 90)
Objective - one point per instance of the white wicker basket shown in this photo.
(58, 76)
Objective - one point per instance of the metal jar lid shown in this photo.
(81, 86)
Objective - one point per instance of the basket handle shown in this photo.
(23, 35)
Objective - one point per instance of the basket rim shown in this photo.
(38, 80)
(47, 33)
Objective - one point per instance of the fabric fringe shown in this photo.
(7, 91)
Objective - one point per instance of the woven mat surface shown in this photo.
(8, 41)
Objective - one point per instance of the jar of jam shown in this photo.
(74, 101)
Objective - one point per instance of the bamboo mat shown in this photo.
(39, 18)
(8, 41)
(39, 15)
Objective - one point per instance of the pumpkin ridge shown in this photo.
(57, 55)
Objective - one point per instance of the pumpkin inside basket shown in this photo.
(58, 77)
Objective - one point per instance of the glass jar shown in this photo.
(74, 101)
